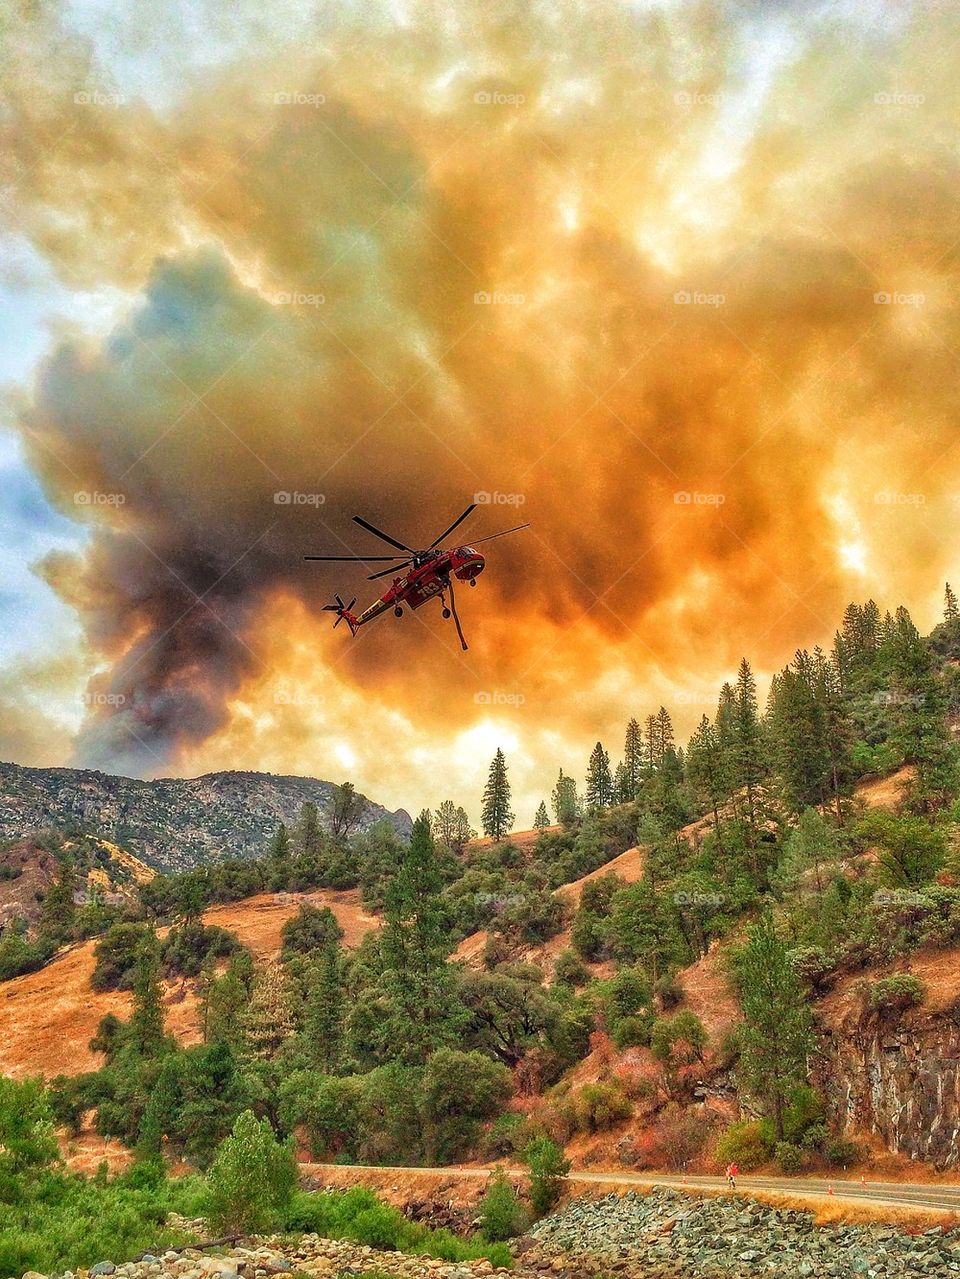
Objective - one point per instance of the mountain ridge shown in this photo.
(171, 823)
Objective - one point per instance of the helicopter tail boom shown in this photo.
(343, 613)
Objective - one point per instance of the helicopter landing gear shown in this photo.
(473, 581)
(446, 611)
(398, 612)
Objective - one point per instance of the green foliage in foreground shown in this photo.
(357, 1214)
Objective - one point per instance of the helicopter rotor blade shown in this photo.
(384, 572)
(458, 521)
(384, 537)
(517, 529)
(355, 559)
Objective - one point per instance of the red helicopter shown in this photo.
(432, 572)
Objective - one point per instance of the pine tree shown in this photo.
(632, 761)
(665, 742)
(279, 850)
(566, 805)
(146, 1020)
(496, 817)
(651, 751)
(748, 745)
(951, 613)
(777, 1032)
(268, 1020)
(920, 727)
(810, 847)
(307, 836)
(799, 729)
(621, 785)
(599, 790)
(707, 772)
(59, 907)
(324, 1009)
(542, 819)
(425, 1011)
(226, 1002)
(346, 811)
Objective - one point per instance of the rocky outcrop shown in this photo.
(897, 1077)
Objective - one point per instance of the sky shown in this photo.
(674, 282)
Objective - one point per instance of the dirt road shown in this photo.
(886, 1193)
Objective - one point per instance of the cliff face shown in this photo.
(897, 1076)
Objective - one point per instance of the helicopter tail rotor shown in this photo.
(343, 613)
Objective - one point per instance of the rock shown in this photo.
(102, 1268)
(34, 1274)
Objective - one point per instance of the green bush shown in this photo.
(501, 1213)
(841, 1154)
(252, 1179)
(897, 993)
(505, 1136)
(789, 1157)
(549, 1168)
(569, 970)
(749, 1144)
(600, 1106)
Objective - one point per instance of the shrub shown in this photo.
(116, 955)
(570, 970)
(632, 1032)
(748, 1143)
(549, 1168)
(185, 950)
(897, 993)
(600, 1106)
(505, 1136)
(501, 1213)
(252, 1178)
(789, 1157)
(841, 1153)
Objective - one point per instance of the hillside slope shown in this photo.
(172, 823)
(48, 1018)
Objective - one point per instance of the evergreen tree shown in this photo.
(799, 723)
(324, 1009)
(59, 907)
(599, 791)
(777, 1032)
(707, 772)
(810, 847)
(346, 811)
(951, 613)
(566, 805)
(279, 850)
(748, 744)
(632, 761)
(665, 742)
(542, 819)
(226, 1002)
(496, 817)
(420, 987)
(268, 1019)
(146, 1021)
(651, 752)
(307, 836)
(920, 729)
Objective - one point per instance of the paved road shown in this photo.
(887, 1193)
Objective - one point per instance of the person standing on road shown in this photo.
(732, 1171)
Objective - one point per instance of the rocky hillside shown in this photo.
(172, 823)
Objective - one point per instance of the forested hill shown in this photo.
(175, 823)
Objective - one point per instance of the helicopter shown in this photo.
(429, 573)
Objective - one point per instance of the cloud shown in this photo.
(594, 261)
